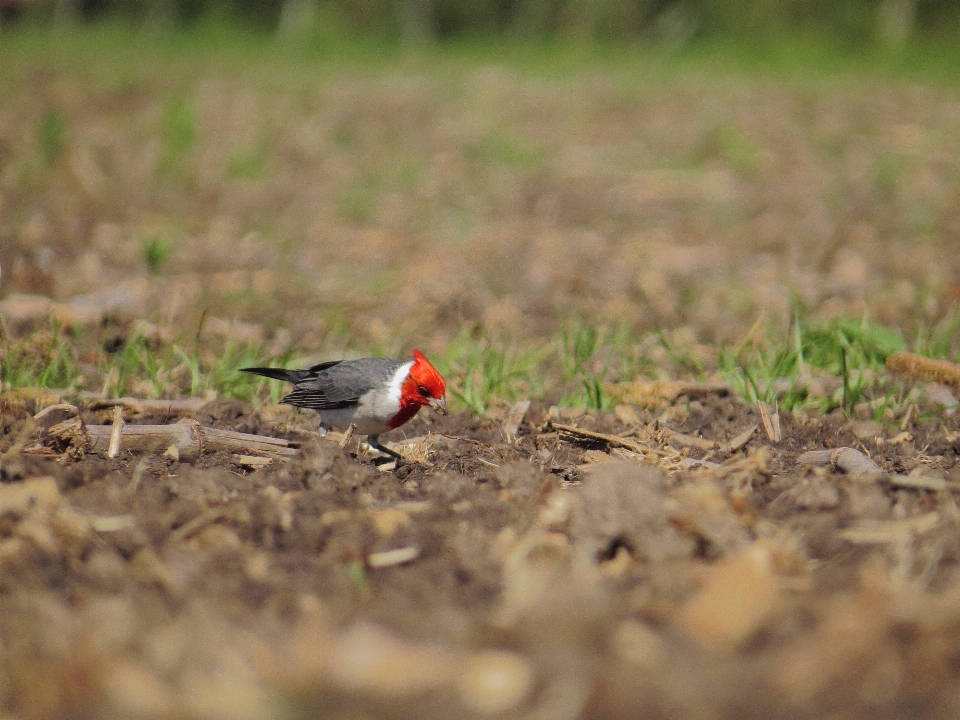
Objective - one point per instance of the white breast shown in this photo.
(374, 410)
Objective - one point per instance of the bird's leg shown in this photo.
(374, 442)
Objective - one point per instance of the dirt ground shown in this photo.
(516, 572)
(534, 578)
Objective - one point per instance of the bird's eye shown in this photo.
(423, 391)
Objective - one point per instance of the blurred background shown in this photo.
(319, 178)
(890, 22)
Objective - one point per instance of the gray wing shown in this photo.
(332, 386)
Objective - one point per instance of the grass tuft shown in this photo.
(483, 370)
(52, 134)
(45, 358)
(156, 250)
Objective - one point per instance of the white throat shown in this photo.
(395, 386)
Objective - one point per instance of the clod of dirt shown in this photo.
(15, 466)
(229, 414)
(738, 597)
(701, 508)
(625, 505)
(327, 468)
(494, 681)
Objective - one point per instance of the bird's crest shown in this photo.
(426, 376)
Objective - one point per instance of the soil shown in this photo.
(538, 576)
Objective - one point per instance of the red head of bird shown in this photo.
(424, 386)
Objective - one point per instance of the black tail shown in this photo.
(291, 376)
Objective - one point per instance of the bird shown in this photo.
(373, 394)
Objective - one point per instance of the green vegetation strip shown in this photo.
(576, 368)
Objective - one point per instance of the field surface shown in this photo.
(695, 467)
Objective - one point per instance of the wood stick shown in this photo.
(691, 441)
(66, 407)
(771, 421)
(921, 368)
(845, 459)
(114, 448)
(739, 441)
(854, 462)
(682, 440)
(189, 438)
(141, 406)
(613, 440)
(817, 458)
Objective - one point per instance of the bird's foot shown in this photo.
(373, 442)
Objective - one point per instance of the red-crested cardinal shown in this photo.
(375, 394)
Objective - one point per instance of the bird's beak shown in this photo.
(438, 404)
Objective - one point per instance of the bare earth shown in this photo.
(498, 572)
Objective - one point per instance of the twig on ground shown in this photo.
(389, 558)
(253, 461)
(682, 440)
(771, 422)
(66, 407)
(198, 523)
(691, 441)
(118, 423)
(141, 406)
(462, 439)
(908, 417)
(668, 460)
(613, 440)
(189, 438)
(845, 459)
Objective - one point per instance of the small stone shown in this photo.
(258, 566)
(137, 692)
(626, 414)
(368, 658)
(557, 510)
(216, 537)
(738, 597)
(34, 492)
(940, 395)
(389, 558)
(389, 520)
(572, 413)
(494, 681)
(226, 696)
(638, 644)
(619, 564)
(866, 429)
